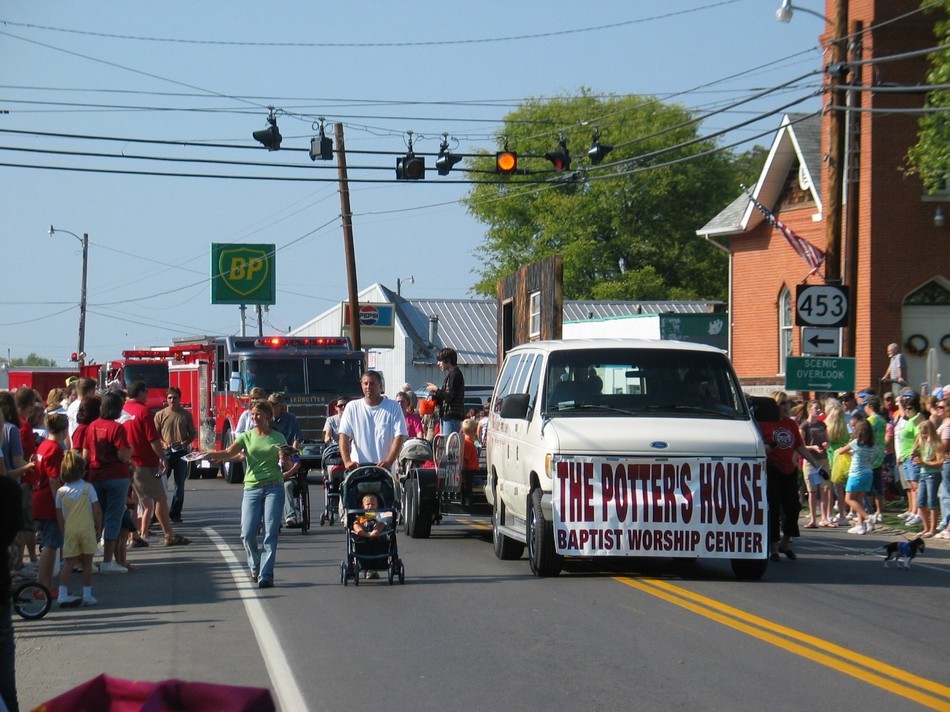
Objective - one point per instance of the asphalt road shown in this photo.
(833, 630)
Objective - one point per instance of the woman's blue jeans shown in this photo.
(262, 506)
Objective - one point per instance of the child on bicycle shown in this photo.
(80, 519)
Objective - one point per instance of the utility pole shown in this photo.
(348, 248)
(82, 302)
(835, 72)
(84, 241)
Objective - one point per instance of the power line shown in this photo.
(418, 43)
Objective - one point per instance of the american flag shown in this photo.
(807, 251)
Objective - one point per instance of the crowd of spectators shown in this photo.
(860, 453)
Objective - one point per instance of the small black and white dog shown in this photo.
(903, 550)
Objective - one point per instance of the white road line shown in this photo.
(278, 667)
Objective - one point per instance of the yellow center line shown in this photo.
(815, 649)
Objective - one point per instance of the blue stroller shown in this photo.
(333, 471)
(375, 548)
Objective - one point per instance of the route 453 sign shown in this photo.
(821, 305)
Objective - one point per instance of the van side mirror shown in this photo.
(515, 405)
(234, 384)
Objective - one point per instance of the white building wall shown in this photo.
(638, 326)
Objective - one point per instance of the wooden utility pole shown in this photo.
(835, 72)
(348, 248)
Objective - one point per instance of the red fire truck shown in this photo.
(46, 378)
(148, 365)
(216, 373)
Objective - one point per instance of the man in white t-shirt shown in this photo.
(373, 428)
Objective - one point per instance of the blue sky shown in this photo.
(206, 72)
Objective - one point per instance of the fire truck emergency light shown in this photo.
(291, 341)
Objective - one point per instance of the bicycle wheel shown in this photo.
(32, 600)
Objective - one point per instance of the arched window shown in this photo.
(785, 325)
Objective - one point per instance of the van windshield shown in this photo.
(653, 382)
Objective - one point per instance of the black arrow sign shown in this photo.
(815, 341)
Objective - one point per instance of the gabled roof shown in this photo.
(583, 310)
(470, 325)
(467, 325)
(798, 137)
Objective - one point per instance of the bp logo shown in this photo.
(244, 269)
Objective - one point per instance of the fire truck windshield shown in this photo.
(155, 375)
(329, 375)
(317, 375)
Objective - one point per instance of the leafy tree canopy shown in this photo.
(30, 361)
(626, 228)
(930, 158)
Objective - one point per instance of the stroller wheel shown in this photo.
(402, 573)
(343, 573)
(323, 519)
(356, 573)
(391, 573)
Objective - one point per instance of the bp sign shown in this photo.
(243, 274)
(814, 373)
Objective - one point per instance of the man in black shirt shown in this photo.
(451, 396)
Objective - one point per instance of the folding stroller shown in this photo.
(371, 553)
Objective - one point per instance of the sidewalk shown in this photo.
(165, 619)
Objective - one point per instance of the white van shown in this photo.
(625, 447)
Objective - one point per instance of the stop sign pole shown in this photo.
(348, 238)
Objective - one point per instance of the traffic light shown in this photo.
(321, 147)
(598, 151)
(269, 137)
(410, 167)
(445, 161)
(506, 162)
(560, 159)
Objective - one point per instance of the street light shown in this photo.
(785, 12)
(399, 283)
(84, 241)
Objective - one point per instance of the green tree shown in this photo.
(930, 157)
(626, 228)
(31, 360)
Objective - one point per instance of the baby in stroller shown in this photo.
(369, 496)
(333, 471)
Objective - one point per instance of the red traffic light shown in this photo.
(506, 162)
(559, 159)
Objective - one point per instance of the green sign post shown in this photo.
(243, 274)
(819, 373)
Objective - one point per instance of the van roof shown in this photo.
(581, 344)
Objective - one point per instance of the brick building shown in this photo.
(893, 235)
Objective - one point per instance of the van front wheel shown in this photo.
(542, 555)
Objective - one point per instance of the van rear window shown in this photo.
(655, 382)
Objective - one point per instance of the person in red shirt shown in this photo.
(46, 481)
(106, 448)
(27, 405)
(783, 447)
(470, 462)
(148, 462)
(87, 412)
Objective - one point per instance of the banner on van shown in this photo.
(685, 507)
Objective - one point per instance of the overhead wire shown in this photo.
(414, 43)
